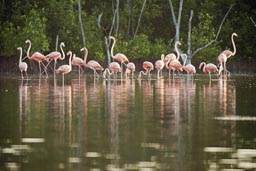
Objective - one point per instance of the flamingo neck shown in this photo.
(107, 72)
(29, 47)
(234, 46)
(85, 54)
(70, 59)
(63, 54)
(202, 65)
(20, 54)
(142, 72)
(112, 48)
(185, 60)
(176, 49)
(167, 63)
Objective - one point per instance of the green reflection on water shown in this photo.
(157, 124)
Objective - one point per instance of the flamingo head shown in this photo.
(18, 48)
(201, 64)
(178, 43)
(83, 49)
(62, 44)
(28, 41)
(69, 53)
(111, 37)
(234, 34)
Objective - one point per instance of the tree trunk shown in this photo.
(141, 11)
(176, 22)
(189, 38)
(80, 21)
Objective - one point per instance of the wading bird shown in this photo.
(76, 61)
(119, 56)
(37, 56)
(223, 57)
(189, 68)
(130, 69)
(159, 65)
(23, 66)
(65, 69)
(92, 64)
(172, 62)
(208, 68)
(148, 66)
(56, 55)
(114, 67)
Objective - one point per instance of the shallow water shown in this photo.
(178, 124)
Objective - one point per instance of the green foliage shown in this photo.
(202, 34)
(9, 39)
(43, 21)
(34, 28)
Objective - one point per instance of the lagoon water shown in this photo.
(142, 125)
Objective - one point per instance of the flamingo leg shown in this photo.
(21, 75)
(39, 68)
(26, 74)
(121, 71)
(63, 79)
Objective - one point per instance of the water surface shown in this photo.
(84, 124)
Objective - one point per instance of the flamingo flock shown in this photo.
(171, 62)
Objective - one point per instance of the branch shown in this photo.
(80, 21)
(223, 21)
(141, 11)
(180, 11)
(217, 35)
(253, 22)
(173, 14)
(189, 33)
(117, 17)
(129, 17)
(99, 20)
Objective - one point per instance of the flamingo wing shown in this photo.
(54, 55)
(94, 65)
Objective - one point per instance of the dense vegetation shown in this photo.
(141, 36)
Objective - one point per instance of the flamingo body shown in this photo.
(130, 68)
(94, 65)
(148, 66)
(65, 69)
(189, 68)
(208, 68)
(23, 66)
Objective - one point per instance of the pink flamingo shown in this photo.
(130, 68)
(76, 61)
(159, 65)
(223, 57)
(170, 57)
(65, 69)
(37, 56)
(208, 68)
(119, 56)
(172, 62)
(23, 66)
(148, 66)
(92, 64)
(56, 55)
(189, 68)
(114, 67)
